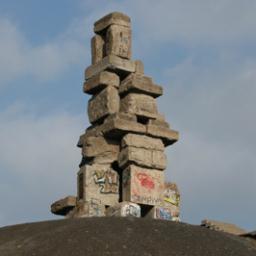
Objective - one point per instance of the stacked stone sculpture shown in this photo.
(122, 172)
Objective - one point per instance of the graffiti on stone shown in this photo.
(108, 181)
(171, 194)
(132, 210)
(146, 180)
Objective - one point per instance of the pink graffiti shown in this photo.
(146, 181)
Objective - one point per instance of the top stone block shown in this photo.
(116, 18)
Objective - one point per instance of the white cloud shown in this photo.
(18, 57)
(38, 160)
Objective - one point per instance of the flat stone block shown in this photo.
(98, 145)
(124, 209)
(63, 206)
(100, 81)
(140, 105)
(91, 208)
(118, 41)
(159, 121)
(105, 103)
(99, 182)
(143, 186)
(142, 141)
(115, 126)
(120, 66)
(167, 135)
(139, 69)
(153, 159)
(162, 213)
(117, 18)
(97, 45)
(138, 83)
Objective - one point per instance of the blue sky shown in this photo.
(202, 52)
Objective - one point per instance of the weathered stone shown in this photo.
(159, 121)
(143, 186)
(98, 145)
(97, 45)
(98, 182)
(139, 104)
(118, 41)
(64, 205)
(162, 213)
(167, 135)
(140, 84)
(100, 81)
(171, 195)
(110, 19)
(139, 69)
(120, 66)
(105, 103)
(115, 126)
(91, 208)
(142, 141)
(143, 157)
(124, 209)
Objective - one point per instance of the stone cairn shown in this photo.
(123, 160)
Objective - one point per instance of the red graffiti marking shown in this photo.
(146, 181)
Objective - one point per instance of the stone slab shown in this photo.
(99, 182)
(100, 81)
(139, 67)
(167, 135)
(118, 41)
(98, 145)
(153, 159)
(162, 213)
(120, 66)
(140, 105)
(142, 186)
(124, 209)
(140, 84)
(97, 46)
(103, 104)
(91, 208)
(115, 126)
(142, 141)
(110, 19)
(159, 121)
(63, 206)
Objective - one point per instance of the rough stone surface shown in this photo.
(91, 208)
(139, 104)
(143, 186)
(167, 135)
(115, 126)
(153, 159)
(98, 145)
(163, 213)
(139, 68)
(124, 209)
(159, 121)
(97, 45)
(118, 236)
(142, 141)
(64, 205)
(118, 41)
(141, 84)
(105, 103)
(100, 81)
(120, 66)
(98, 182)
(110, 19)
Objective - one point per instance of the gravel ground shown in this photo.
(118, 236)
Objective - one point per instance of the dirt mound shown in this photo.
(118, 236)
